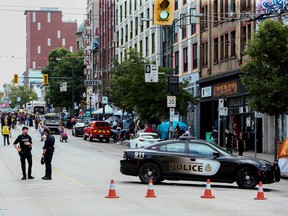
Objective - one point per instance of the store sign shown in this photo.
(206, 92)
(223, 89)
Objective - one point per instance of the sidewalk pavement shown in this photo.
(268, 157)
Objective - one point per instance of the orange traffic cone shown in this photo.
(112, 192)
(208, 192)
(260, 194)
(150, 191)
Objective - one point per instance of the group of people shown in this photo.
(231, 139)
(23, 144)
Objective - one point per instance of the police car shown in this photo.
(196, 160)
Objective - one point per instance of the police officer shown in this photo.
(24, 150)
(48, 150)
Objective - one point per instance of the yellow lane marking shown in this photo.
(68, 177)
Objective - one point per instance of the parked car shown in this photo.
(97, 130)
(78, 128)
(142, 139)
(196, 160)
(52, 121)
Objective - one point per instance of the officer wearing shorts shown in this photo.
(23, 144)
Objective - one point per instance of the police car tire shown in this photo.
(252, 173)
(155, 168)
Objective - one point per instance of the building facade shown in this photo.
(45, 31)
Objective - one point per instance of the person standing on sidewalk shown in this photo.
(48, 150)
(24, 150)
(229, 140)
(241, 144)
(6, 132)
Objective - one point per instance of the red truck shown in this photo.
(97, 130)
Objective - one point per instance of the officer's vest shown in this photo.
(5, 130)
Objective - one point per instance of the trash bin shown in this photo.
(208, 137)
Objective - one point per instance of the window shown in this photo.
(176, 5)
(141, 24)
(147, 46)
(121, 13)
(141, 48)
(204, 18)
(205, 54)
(126, 33)
(63, 42)
(39, 26)
(131, 30)
(153, 43)
(185, 59)
(183, 25)
(200, 149)
(221, 47)
(136, 26)
(227, 43)
(173, 147)
(34, 64)
(216, 18)
(216, 50)
(233, 44)
(58, 34)
(195, 56)
(33, 16)
(125, 9)
(49, 42)
(71, 48)
(192, 21)
(39, 49)
(177, 63)
(148, 17)
(48, 17)
(243, 38)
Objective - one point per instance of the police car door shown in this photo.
(201, 161)
(173, 159)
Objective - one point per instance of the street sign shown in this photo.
(92, 82)
(63, 87)
(221, 103)
(104, 100)
(173, 83)
(223, 111)
(171, 101)
(151, 73)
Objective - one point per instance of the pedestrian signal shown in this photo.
(15, 80)
(163, 12)
(45, 79)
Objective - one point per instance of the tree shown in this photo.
(265, 76)
(129, 91)
(64, 66)
(23, 93)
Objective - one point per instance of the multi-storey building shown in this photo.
(46, 31)
(222, 39)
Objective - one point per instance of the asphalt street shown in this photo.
(82, 172)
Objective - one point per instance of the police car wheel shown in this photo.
(150, 171)
(246, 178)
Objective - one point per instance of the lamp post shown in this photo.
(90, 98)
(84, 98)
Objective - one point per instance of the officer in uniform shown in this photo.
(48, 150)
(24, 150)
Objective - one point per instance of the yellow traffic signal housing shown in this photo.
(45, 79)
(15, 80)
(163, 12)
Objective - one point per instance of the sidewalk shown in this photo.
(268, 157)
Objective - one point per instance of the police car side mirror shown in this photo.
(216, 154)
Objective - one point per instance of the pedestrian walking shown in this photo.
(177, 131)
(48, 150)
(6, 132)
(23, 144)
(41, 129)
(229, 140)
(241, 144)
(170, 131)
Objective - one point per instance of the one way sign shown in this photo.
(151, 73)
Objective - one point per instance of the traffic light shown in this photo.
(45, 79)
(15, 80)
(163, 12)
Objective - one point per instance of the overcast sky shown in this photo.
(12, 36)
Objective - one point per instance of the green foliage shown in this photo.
(265, 76)
(65, 66)
(129, 91)
(24, 93)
